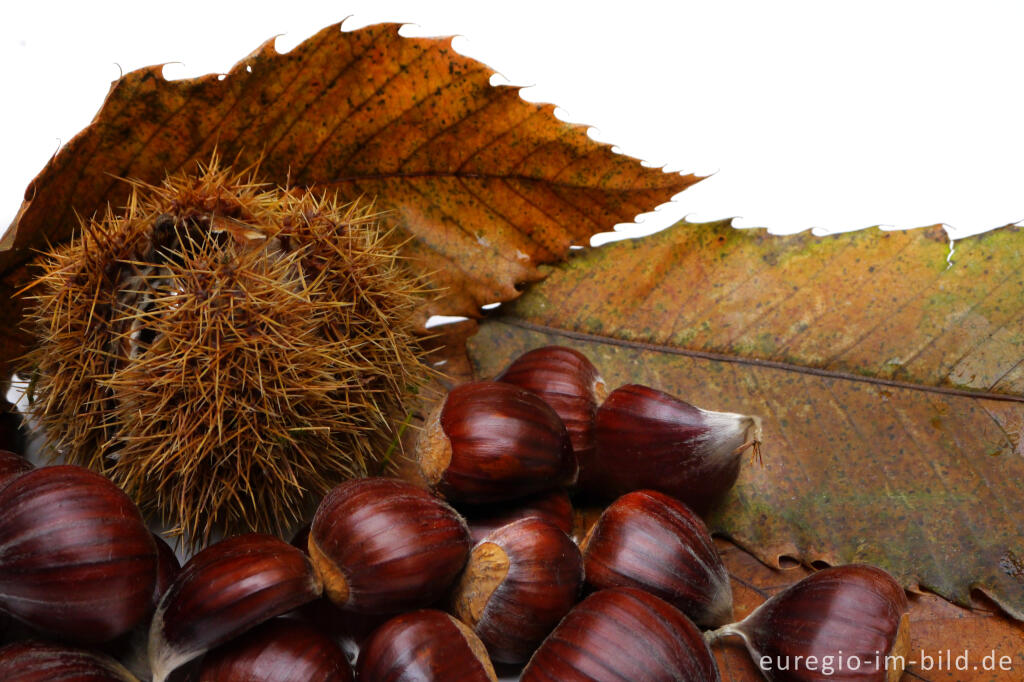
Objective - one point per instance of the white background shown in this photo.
(828, 115)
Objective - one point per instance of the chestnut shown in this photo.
(383, 545)
(12, 464)
(623, 634)
(648, 540)
(280, 650)
(225, 590)
(424, 646)
(553, 506)
(851, 618)
(567, 381)
(41, 662)
(520, 581)
(167, 568)
(492, 442)
(645, 438)
(76, 558)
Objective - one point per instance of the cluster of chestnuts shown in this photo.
(481, 571)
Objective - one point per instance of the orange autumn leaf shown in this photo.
(486, 185)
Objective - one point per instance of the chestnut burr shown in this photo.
(383, 545)
(424, 646)
(76, 558)
(520, 581)
(567, 381)
(648, 540)
(40, 662)
(649, 439)
(491, 442)
(223, 591)
(850, 618)
(280, 650)
(623, 634)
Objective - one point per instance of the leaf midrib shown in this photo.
(755, 362)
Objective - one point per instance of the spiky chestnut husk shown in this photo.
(650, 541)
(646, 438)
(224, 351)
(42, 662)
(832, 617)
(623, 634)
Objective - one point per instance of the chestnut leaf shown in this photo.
(890, 383)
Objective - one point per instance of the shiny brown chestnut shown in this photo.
(553, 506)
(648, 540)
(225, 590)
(424, 646)
(567, 381)
(491, 442)
(649, 439)
(167, 568)
(851, 619)
(76, 558)
(41, 662)
(12, 464)
(383, 545)
(623, 634)
(520, 581)
(280, 650)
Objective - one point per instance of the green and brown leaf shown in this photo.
(889, 382)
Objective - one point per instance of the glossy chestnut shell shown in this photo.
(76, 558)
(520, 580)
(646, 438)
(424, 646)
(839, 614)
(225, 590)
(280, 650)
(491, 442)
(567, 381)
(383, 545)
(623, 634)
(651, 541)
(553, 506)
(42, 662)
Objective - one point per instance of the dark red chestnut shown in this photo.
(383, 545)
(167, 568)
(519, 582)
(12, 464)
(491, 442)
(225, 590)
(280, 650)
(651, 541)
(567, 381)
(76, 558)
(623, 634)
(424, 646)
(850, 619)
(39, 662)
(649, 439)
(553, 506)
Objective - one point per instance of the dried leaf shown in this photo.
(890, 384)
(487, 185)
